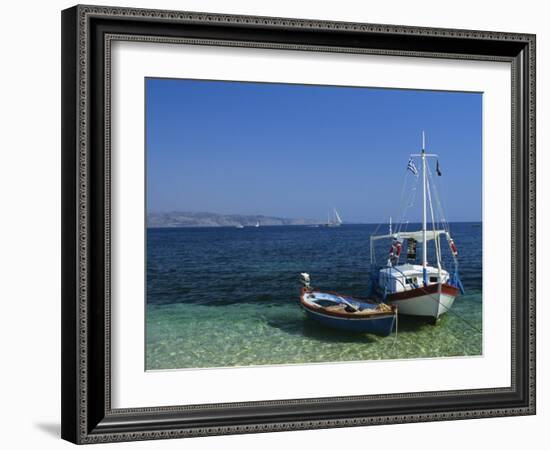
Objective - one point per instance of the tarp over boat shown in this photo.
(416, 235)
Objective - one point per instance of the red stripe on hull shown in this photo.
(418, 292)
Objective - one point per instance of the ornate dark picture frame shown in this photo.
(87, 33)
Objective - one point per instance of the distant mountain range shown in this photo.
(206, 219)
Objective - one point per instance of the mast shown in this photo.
(425, 188)
(424, 243)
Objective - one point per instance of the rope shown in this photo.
(437, 247)
(450, 311)
(439, 204)
(403, 184)
(446, 226)
(396, 326)
(371, 247)
(410, 202)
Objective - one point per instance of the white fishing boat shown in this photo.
(334, 220)
(419, 289)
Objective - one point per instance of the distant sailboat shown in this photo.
(335, 220)
(257, 224)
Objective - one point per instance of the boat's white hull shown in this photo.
(433, 305)
(420, 302)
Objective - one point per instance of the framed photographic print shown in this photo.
(278, 224)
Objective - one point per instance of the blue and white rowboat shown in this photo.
(348, 313)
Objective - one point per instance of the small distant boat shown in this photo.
(334, 220)
(239, 226)
(257, 225)
(347, 313)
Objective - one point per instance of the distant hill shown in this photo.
(206, 219)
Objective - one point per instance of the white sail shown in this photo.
(333, 220)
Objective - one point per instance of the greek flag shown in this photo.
(412, 167)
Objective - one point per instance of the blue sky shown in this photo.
(297, 150)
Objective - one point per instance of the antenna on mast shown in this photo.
(423, 141)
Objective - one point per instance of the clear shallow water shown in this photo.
(220, 297)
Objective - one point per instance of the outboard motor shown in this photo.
(305, 280)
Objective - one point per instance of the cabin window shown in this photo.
(408, 280)
(433, 279)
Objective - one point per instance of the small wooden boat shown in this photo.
(348, 313)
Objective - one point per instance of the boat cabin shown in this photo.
(405, 277)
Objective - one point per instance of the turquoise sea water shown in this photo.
(221, 297)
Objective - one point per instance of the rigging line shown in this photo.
(376, 229)
(437, 248)
(378, 226)
(371, 246)
(414, 195)
(450, 311)
(403, 184)
(404, 203)
(441, 217)
(410, 202)
(402, 196)
(441, 209)
(438, 203)
(396, 326)
(446, 225)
